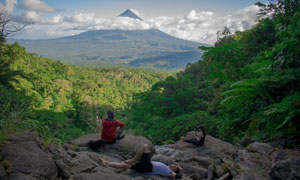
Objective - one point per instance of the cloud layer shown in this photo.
(197, 26)
(9, 5)
(36, 5)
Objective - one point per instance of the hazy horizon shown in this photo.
(191, 19)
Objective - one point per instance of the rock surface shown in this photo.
(2, 173)
(24, 158)
(286, 169)
(25, 154)
(127, 146)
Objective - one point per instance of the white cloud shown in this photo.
(81, 18)
(193, 15)
(203, 26)
(54, 20)
(197, 26)
(32, 16)
(36, 5)
(9, 6)
(34, 11)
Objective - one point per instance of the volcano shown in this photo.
(129, 13)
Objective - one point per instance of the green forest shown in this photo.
(246, 85)
(61, 101)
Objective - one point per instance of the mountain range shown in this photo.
(149, 48)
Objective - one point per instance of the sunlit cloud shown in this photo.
(8, 6)
(36, 5)
(200, 26)
(81, 18)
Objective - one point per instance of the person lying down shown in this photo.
(142, 163)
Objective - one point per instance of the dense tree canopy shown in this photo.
(63, 100)
(247, 85)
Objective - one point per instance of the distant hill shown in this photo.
(170, 60)
(147, 48)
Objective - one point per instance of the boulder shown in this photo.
(215, 146)
(283, 154)
(196, 177)
(138, 178)
(64, 170)
(129, 145)
(287, 169)
(134, 174)
(126, 147)
(72, 153)
(204, 162)
(2, 173)
(26, 159)
(83, 140)
(210, 172)
(163, 159)
(259, 160)
(25, 154)
(21, 176)
(190, 170)
(219, 171)
(261, 148)
(82, 164)
(177, 155)
(164, 150)
(25, 136)
(244, 176)
(99, 176)
(212, 147)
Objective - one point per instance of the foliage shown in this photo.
(175, 127)
(246, 85)
(14, 109)
(282, 116)
(59, 101)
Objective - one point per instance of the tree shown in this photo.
(8, 26)
(284, 10)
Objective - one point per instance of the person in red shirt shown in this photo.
(110, 127)
(112, 130)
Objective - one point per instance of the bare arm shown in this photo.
(122, 128)
(173, 175)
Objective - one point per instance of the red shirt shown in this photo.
(109, 130)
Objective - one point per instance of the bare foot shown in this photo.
(130, 162)
(103, 162)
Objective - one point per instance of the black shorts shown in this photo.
(144, 165)
(112, 142)
(195, 141)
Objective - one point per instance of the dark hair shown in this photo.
(177, 168)
(110, 114)
(178, 175)
(202, 129)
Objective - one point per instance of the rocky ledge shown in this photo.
(23, 157)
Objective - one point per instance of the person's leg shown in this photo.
(143, 149)
(193, 141)
(119, 165)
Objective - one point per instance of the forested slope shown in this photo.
(247, 85)
(60, 100)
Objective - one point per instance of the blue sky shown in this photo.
(196, 20)
(150, 8)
